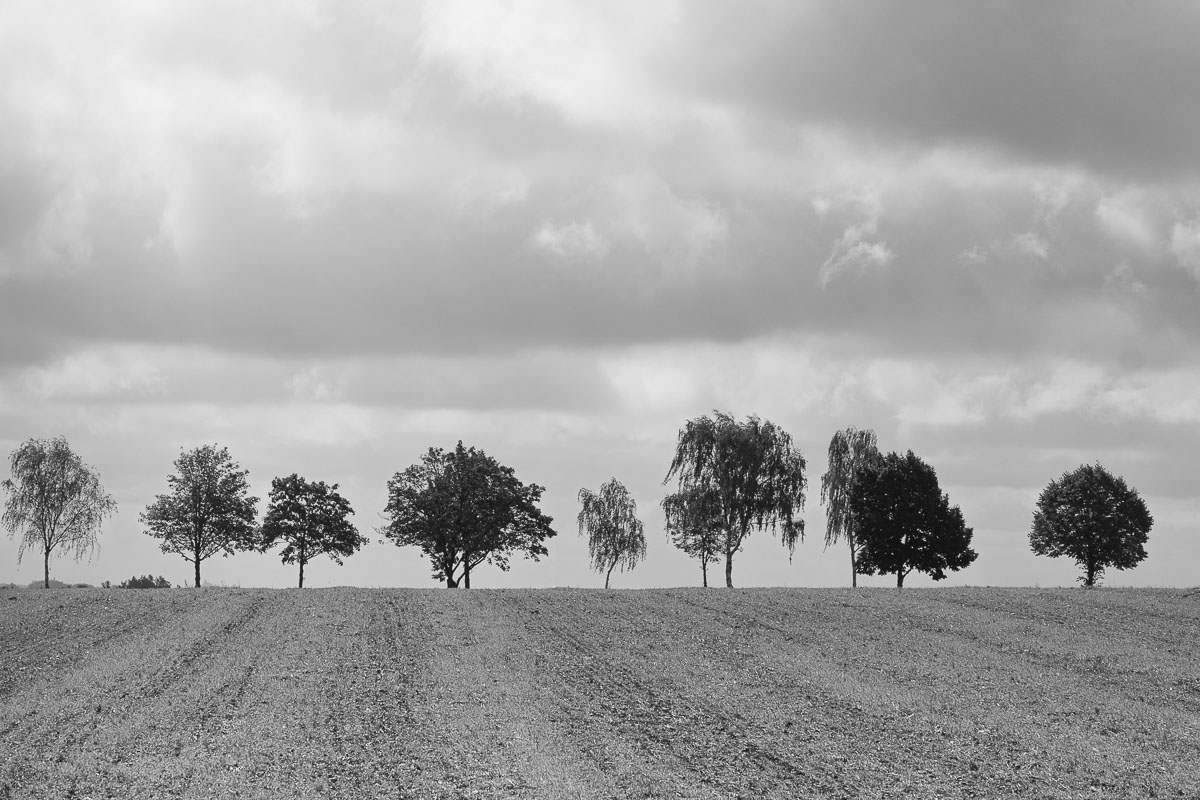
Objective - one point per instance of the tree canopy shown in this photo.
(207, 509)
(1095, 518)
(55, 501)
(464, 508)
(310, 519)
(849, 450)
(616, 536)
(694, 525)
(905, 522)
(753, 469)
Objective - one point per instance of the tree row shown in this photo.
(464, 509)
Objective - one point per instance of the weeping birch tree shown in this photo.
(694, 525)
(849, 450)
(754, 471)
(616, 537)
(55, 501)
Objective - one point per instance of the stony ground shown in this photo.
(354, 693)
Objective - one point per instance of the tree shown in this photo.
(694, 525)
(310, 519)
(1093, 517)
(849, 450)
(463, 508)
(754, 471)
(615, 535)
(207, 510)
(55, 501)
(905, 522)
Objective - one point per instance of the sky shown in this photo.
(331, 235)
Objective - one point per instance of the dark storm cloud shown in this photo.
(1105, 86)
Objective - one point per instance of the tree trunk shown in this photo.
(728, 569)
(46, 564)
(608, 574)
(450, 582)
(853, 565)
(197, 561)
(301, 573)
(1089, 581)
(899, 579)
(467, 576)
(704, 572)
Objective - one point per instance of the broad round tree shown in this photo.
(905, 522)
(1093, 517)
(207, 509)
(464, 508)
(310, 519)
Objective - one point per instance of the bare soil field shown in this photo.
(359, 693)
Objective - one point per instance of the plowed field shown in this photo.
(360, 693)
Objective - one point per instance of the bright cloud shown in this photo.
(573, 240)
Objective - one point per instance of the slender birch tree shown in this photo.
(849, 449)
(55, 501)
(755, 472)
(616, 536)
(694, 525)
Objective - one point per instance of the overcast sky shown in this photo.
(331, 235)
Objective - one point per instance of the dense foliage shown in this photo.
(616, 536)
(756, 474)
(146, 582)
(905, 522)
(849, 450)
(310, 519)
(464, 508)
(55, 501)
(1093, 517)
(208, 509)
(694, 525)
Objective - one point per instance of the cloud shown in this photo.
(853, 249)
(587, 63)
(1185, 245)
(1125, 218)
(571, 241)
(678, 232)
(985, 78)
(96, 375)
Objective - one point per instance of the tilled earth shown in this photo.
(689, 693)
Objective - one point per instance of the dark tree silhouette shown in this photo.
(463, 508)
(694, 525)
(55, 501)
(615, 535)
(311, 520)
(849, 450)
(207, 510)
(905, 522)
(1093, 517)
(754, 471)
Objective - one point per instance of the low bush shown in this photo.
(146, 582)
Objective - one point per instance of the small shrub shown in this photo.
(146, 582)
